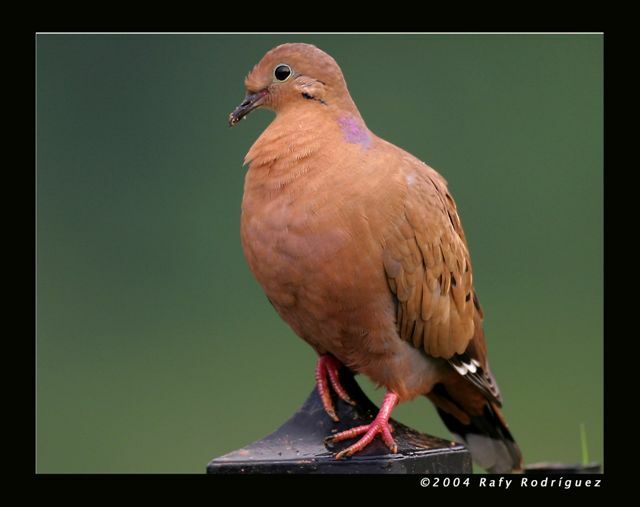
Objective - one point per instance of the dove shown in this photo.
(359, 247)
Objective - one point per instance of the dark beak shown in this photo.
(250, 102)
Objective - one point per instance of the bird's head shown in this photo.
(290, 75)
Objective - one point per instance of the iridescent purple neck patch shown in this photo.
(354, 131)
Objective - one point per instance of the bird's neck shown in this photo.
(301, 140)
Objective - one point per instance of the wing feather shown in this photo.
(427, 264)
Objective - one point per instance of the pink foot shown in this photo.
(328, 366)
(379, 425)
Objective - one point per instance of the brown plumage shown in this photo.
(359, 247)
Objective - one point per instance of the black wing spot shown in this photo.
(476, 302)
(308, 96)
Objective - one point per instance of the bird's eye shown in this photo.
(282, 72)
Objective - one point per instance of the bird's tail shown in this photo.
(488, 438)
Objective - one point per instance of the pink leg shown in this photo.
(328, 366)
(379, 425)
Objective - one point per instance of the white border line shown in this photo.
(319, 33)
(35, 253)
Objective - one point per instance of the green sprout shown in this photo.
(583, 442)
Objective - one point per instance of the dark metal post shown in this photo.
(298, 445)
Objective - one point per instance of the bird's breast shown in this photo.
(289, 239)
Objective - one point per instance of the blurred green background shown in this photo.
(156, 349)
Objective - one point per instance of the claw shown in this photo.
(328, 366)
(380, 425)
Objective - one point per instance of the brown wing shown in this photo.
(427, 263)
(429, 270)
